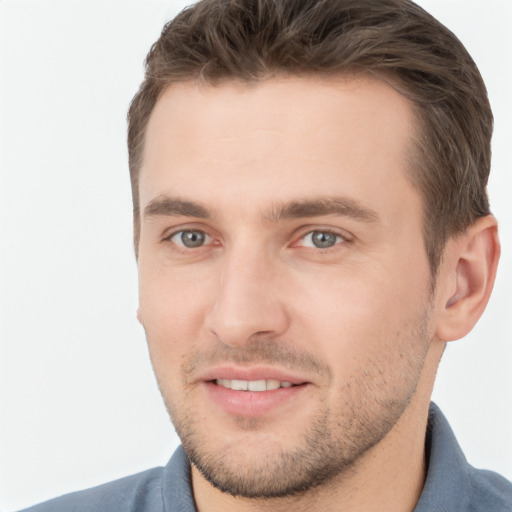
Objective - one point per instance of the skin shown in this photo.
(355, 324)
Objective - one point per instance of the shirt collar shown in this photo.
(447, 486)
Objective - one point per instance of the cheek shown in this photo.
(355, 313)
(172, 309)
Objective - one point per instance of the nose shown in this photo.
(249, 301)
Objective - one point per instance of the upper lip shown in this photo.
(251, 373)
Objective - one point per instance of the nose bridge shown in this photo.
(247, 300)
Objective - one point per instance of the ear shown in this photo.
(466, 278)
(139, 317)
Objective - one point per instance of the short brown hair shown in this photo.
(395, 40)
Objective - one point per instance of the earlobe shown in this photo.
(139, 317)
(471, 260)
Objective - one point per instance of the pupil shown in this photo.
(322, 239)
(192, 238)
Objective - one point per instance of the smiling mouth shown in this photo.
(253, 385)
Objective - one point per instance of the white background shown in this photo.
(78, 402)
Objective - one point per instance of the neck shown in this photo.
(388, 477)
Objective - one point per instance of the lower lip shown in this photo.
(253, 403)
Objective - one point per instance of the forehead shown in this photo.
(277, 140)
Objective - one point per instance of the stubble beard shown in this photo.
(317, 460)
(331, 445)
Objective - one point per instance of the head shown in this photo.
(395, 40)
(301, 173)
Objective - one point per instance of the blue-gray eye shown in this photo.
(321, 239)
(191, 239)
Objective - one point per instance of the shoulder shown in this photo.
(141, 492)
(452, 484)
(490, 491)
(154, 490)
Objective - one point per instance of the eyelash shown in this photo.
(170, 236)
(344, 239)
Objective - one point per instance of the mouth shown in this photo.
(253, 385)
(253, 392)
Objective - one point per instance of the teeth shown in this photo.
(253, 385)
(239, 385)
(257, 385)
(273, 384)
(225, 383)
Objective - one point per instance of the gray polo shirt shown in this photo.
(452, 485)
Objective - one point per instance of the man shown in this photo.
(311, 228)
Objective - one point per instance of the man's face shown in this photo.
(284, 285)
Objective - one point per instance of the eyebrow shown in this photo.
(339, 206)
(174, 207)
(166, 206)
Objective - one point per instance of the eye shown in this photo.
(191, 238)
(321, 239)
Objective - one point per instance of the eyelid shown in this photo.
(208, 238)
(297, 237)
(171, 231)
(308, 230)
